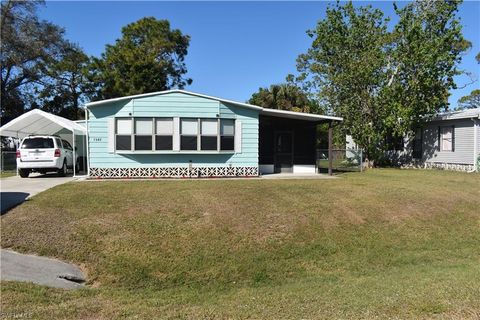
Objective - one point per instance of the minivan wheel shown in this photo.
(23, 173)
(63, 171)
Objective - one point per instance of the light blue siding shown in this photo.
(171, 105)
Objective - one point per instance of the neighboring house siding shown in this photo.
(171, 105)
(463, 143)
(461, 158)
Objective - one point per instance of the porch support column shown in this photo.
(330, 151)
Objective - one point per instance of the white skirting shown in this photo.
(174, 172)
(304, 168)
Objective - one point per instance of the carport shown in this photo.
(38, 122)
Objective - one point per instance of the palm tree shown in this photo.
(284, 97)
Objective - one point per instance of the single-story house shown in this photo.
(177, 133)
(450, 140)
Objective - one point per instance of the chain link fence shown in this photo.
(8, 161)
(343, 160)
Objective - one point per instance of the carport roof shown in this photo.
(38, 122)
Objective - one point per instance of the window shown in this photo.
(227, 134)
(123, 134)
(446, 139)
(189, 134)
(209, 134)
(164, 134)
(143, 133)
(37, 143)
(417, 144)
(66, 145)
(59, 143)
(159, 134)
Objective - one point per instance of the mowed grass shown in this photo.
(379, 244)
(6, 174)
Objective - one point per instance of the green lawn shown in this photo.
(6, 174)
(380, 244)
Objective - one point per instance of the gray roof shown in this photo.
(462, 114)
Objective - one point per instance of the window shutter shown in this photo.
(453, 138)
(111, 135)
(238, 136)
(176, 134)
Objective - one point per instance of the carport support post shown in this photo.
(330, 151)
(74, 153)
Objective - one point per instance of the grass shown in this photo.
(385, 243)
(6, 174)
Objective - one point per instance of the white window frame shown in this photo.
(176, 134)
(152, 145)
(117, 134)
(220, 135)
(444, 138)
(217, 133)
(162, 135)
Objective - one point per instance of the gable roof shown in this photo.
(38, 122)
(264, 111)
(158, 93)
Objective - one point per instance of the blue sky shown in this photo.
(236, 47)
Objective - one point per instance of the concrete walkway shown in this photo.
(44, 271)
(15, 190)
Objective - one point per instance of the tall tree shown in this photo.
(470, 101)
(28, 45)
(68, 84)
(473, 99)
(384, 83)
(284, 97)
(148, 57)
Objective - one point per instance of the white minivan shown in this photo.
(44, 154)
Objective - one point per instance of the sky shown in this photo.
(236, 47)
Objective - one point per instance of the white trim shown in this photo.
(297, 115)
(176, 134)
(74, 153)
(265, 111)
(304, 168)
(111, 135)
(88, 142)
(174, 152)
(475, 143)
(238, 136)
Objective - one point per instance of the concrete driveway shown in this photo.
(15, 190)
(40, 270)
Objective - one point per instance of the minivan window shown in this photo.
(37, 143)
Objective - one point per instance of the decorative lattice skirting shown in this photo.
(441, 166)
(174, 172)
(449, 166)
